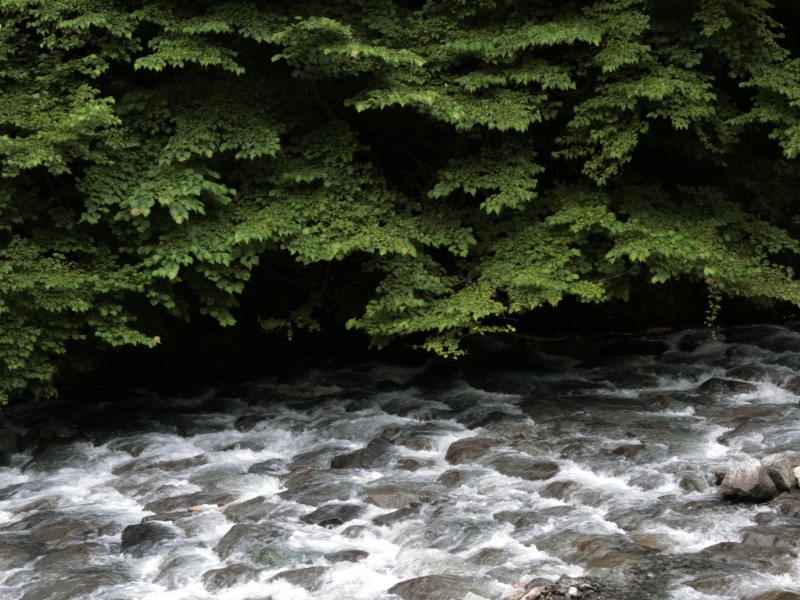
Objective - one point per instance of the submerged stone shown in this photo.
(725, 387)
(140, 540)
(445, 587)
(232, 575)
(308, 578)
(333, 515)
(524, 467)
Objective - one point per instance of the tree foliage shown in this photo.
(468, 159)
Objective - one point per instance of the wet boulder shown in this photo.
(772, 536)
(725, 387)
(348, 556)
(792, 385)
(445, 587)
(748, 481)
(452, 478)
(632, 452)
(767, 559)
(61, 533)
(273, 466)
(184, 501)
(81, 586)
(246, 540)
(313, 486)
(308, 578)
(140, 540)
(16, 551)
(409, 464)
(776, 595)
(252, 510)
(524, 467)
(333, 515)
(373, 455)
(782, 474)
(394, 516)
(490, 557)
(247, 422)
(399, 495)
(69, 558)
(232, 575)
(468, 450)
(180, 569)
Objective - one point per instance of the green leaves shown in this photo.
(504, 178)
(423, 173)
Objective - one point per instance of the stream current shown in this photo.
(586, 460)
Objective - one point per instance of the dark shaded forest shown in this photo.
(189, 182)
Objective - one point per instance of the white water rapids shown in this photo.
(633, 501)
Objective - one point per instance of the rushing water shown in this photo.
(587, 460)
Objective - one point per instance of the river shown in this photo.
(587, 462)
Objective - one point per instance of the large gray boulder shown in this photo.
(748, 481)
(782, 474)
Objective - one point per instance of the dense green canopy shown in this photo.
(415, 168)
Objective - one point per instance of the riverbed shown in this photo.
(590, 462)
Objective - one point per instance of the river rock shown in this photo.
(690, 482)
(419, 442)
(788, 504)
(313, 486)
(314, 493)
(250, 511)
(792, 385)
(748, 481)
(184, 501)
(348, 556)
(397, 515)
(771, 536)
(480, 418)
(776, 595)
(524, 467)
(714, 584)
(306, 475)
(373, 455)
(69, 558)
(726, 387)
(247, 422)
(232, 575)
(150, 464)
(782, 474)
(62, 533)
(451, 478)
(399, 495)
(596, 551)
(16, 551)
(140, 540)
(179, 570)
(78, 586)
(633, 381)
(632, 452)
(468, 450)
(169, 517)
(409, 464)
(273, 466)
(767, 559)
(217, 478)
(444, 587)
(309, 578)
(490, 556)
(333, 515)
(246, 539)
